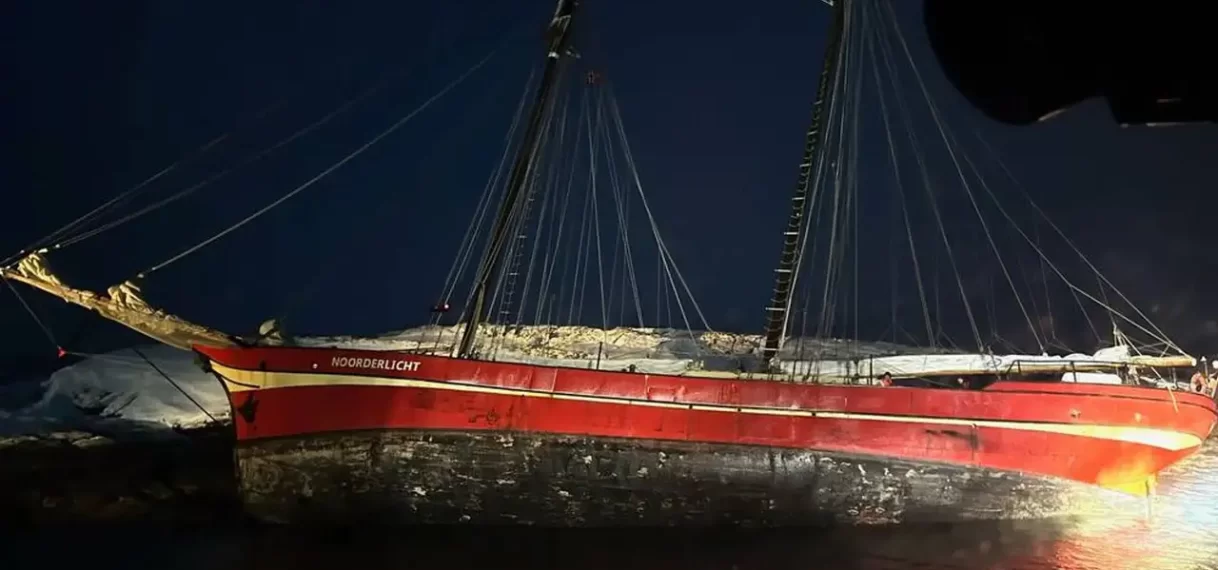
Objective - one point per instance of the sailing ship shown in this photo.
(452, 434)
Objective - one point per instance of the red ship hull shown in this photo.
(329, 433)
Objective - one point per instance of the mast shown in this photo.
(557, 36)
(778, 313)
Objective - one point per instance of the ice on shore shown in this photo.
(116, 392)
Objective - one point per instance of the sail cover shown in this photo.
(915, 365)
(121, 303)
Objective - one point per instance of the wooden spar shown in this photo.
(558, 36)
(778, 312)
(1179, 361)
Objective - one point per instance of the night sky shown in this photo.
(98, 96)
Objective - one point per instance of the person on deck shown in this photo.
(885, 379)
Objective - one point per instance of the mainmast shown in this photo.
(778, 313)
(557, 36)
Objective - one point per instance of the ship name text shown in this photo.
(391, 364)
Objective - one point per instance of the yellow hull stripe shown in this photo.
(236, 380)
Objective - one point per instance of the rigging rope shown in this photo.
(130, 192)
(516, 226)
(323, 173)
(553, 247)
(468, 241)
(99, 209)
(382, 212)
(596, 225)
(53, 240)
(1161, 336)
(844, 237)
(504, 299)
(925, 176)
(630, 279)
(38, 320)
(549, 209)
(855, 54)
(913, 250)
(175, 385)
(1111, 310)
(961, 161)
(670, 267)
(343, 108)
(949, 142)
(813, 206)
(599, 127)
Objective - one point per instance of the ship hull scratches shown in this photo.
(350, 430)
(460, 477)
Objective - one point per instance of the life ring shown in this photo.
(1198, 382)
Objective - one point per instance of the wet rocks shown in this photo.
(73, 476)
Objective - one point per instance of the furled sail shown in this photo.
(121, 303)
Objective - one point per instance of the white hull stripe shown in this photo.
(237, 380)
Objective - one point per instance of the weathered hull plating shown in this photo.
(338, 434)
(447, 477)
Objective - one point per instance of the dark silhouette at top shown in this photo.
(1022, 62)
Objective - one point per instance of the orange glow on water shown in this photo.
(1130, 477)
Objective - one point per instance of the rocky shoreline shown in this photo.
(73, 477)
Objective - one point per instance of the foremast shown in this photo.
(779, 310)
(557, 37)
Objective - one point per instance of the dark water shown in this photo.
(1183, 534)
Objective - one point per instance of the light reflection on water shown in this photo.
(1110, 536)
(1183, 532)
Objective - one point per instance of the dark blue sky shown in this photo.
(716, 95)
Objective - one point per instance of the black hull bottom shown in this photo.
(444, 477)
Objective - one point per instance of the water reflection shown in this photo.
(1183, 532)
(1111, 535)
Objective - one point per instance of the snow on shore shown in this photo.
(119, 392)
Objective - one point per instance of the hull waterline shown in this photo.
(454, 477)
(327, 434)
